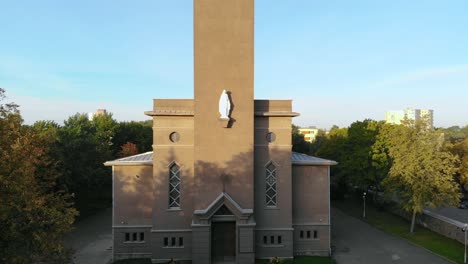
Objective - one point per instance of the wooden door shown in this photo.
(223, 241)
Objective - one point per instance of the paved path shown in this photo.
(454, 213)
(356, 242)
(92, 239)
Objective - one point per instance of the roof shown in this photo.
(147, 159)
(140, 159)
(303, 159)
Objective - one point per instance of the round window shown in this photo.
(270, 137)
(174, 137)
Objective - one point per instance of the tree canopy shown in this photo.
(35, 212)
(422, 171)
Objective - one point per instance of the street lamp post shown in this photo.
(466, 231)
(364, 208)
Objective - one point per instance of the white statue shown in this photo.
(224, 105)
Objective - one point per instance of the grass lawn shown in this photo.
(299, 260)
(399, 226)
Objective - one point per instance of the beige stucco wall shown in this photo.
(311, 209)
(311, 194)
(273, 221)
(278, 152)
(167, 153)
(133, 195)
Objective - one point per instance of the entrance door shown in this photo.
(223, 242)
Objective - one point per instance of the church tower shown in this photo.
(224, 129)
(224, 60)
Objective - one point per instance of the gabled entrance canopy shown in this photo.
(229, 203)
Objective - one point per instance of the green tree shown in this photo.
(461, 150)
(381, 160)
(84, 146)
(357, 164)
(34, 212)
(298, 142)
(455, 133)
(139, 133)
(105, 129)
(422, 170)
(320, 139)
(334, 148)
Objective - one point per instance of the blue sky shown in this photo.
(339, 61)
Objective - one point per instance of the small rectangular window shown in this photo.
(166, 241)
(279, 240)
(173, 244)
(315, 234)
(127, 236)
(265, 240)
(142, 236)
(181, 241)
(308, 233)
(134, 237)
(272, 239)
(301, 234)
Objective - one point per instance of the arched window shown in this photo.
(271, 185)
(174, 186)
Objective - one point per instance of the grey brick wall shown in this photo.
(309, 245)
(160, 251)
(269, 250)
(201, 244)
(131, 249)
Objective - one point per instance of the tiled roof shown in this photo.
(140, 159)
(303, 159)
(147, 159)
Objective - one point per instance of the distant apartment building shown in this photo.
(309, 133)
(395, 117)
(97, 113)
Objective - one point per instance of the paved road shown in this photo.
(92, 239)
(454, 213)
(356, 242)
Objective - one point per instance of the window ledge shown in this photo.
(272, 246)
(173, 247)
(134, 242)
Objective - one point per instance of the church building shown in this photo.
(221, 184)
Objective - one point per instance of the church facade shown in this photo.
(221, 184)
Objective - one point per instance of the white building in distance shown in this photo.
(309, 133)
(97, 113)
(395, 117)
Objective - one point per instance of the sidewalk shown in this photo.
(356, 242)
(92, 239)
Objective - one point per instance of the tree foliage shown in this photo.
(298, 142)
(128, 149)
(461, 150)
(139, 133)
(422, 170)
(34, 211)
(84, 145)
(358, 162)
